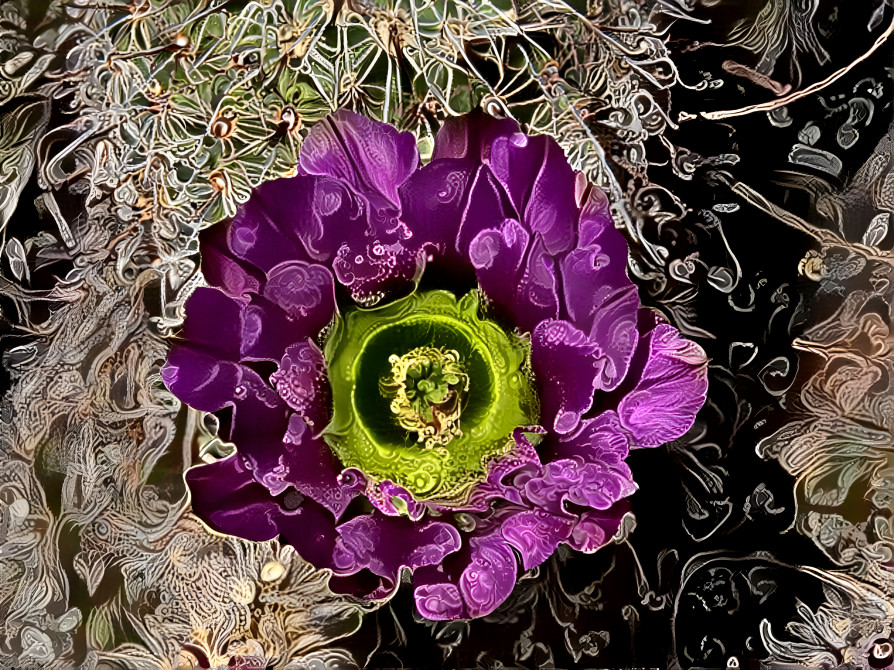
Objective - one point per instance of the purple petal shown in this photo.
(471, 136)
(598, 295)
(307, 463)
(302, 382)
(334, 214)
(536, 534)
(596, 228)
(536, 299)
(200, 380)
(540, 184)
(267, 238)
(490, 576)
(497, 255)
(288, 222)
(386, 544)
(260, 420)
(308, 527)
(585, 484)
(267, 331)
(433, 200)
(226, 497)
(671, 389)
(220, 268)
(214, 323)
(598, 440)
(439, 601)
(303, 291)
(232, 330)
(567, 366)
(314, 213)
(371, 156)
(378, 264)
(484, 210)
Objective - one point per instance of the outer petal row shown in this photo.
(360, 213)
(374, 546)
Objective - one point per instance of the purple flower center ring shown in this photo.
(461, 362)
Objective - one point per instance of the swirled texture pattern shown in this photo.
(361, 225)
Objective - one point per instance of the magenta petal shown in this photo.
(386, 495)
(302, 382)
(600, 298)
(439, 601)
(371, 156)
(516, 160)
(506, 475)
(604, 309)
(200, 380)
(588, 535)
(615, 329)
(567, 365)
(490, 576)
(386, 544)
(585, 484)
(302, 218)
(226, 497)
(598, 440)
(358, 236)
(596, 528)
(671, 389)
(536, 534)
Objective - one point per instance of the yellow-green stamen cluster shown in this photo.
(427, 387)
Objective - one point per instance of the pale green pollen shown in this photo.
(427, 386)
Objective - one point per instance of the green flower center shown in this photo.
(426, 391)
